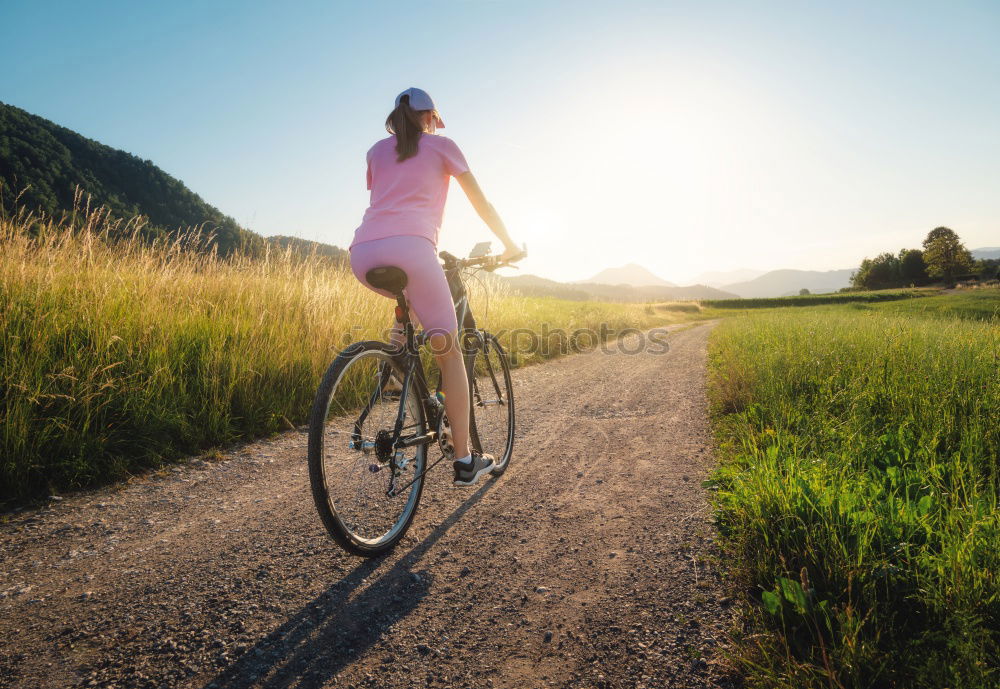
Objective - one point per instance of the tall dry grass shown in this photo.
(116, 354)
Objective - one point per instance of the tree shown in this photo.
(881, 272)
(945, 255)
(912, 269)
(804, 292)
(988, 268)
(859, 279)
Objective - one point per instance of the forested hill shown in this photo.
(307, 247)
(44, 163)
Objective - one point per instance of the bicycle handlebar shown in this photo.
(490, 262)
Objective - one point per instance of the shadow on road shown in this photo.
(331, 631)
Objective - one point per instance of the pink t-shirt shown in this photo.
(408, 198)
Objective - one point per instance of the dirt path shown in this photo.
(590, 563)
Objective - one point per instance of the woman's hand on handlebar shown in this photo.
(511, 253)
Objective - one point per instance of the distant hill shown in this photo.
(986, 252)
(44, 163)
(534, 286)
(778, 283)
(631, 274)
(307, 247)
(719, 278)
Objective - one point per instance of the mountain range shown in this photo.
(787, 282)
(745, 283)
(634, 283)
(534, 286)
(720, 278)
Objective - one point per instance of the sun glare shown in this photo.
(639, 178)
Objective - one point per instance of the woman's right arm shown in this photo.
(487, 212)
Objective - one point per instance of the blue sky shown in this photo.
(681, 136)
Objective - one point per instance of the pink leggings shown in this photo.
(426, 287)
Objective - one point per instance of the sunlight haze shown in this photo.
(684, 137)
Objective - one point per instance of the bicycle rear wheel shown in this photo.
(352, 464)
(492, 426)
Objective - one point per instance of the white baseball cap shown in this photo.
(420, 100)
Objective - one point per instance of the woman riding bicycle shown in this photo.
(408, 175)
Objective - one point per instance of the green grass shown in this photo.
(858, 492)
(818, 299)
(980, 305)
(117, 357)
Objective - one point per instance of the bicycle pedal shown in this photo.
(445, 440)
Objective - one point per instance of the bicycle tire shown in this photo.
(492, 432)
(335, 378)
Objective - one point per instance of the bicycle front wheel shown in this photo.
(365, 489)
(492, 398)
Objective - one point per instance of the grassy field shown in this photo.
(118, 356)
(858, 490)
(979, 305)
(859, 437)
(819, 299)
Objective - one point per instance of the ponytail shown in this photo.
(405, 123)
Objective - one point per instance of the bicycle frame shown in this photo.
(414, 378)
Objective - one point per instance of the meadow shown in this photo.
(858, 438)
(979, 305)
(820, 299)
(858, 490)
(116, 356)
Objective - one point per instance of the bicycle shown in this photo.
(374, 418)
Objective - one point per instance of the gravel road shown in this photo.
(590, 563)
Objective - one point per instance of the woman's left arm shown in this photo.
(488, 213)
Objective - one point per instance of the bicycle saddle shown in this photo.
(389, 278)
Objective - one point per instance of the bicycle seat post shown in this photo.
(403, 318)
